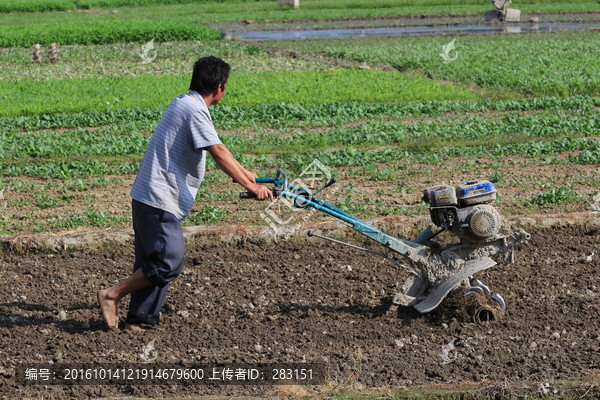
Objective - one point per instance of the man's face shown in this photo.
(219, 93)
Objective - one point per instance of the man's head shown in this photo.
(210, 76)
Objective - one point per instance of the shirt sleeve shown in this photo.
(202, 130)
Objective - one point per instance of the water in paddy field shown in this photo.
(411, 31)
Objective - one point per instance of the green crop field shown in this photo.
(246, 90)
(386, 114)
(556, 64)
(233, 10)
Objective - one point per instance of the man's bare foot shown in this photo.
(132, 327)
(109, 307)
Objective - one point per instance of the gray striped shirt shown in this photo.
(174, 164)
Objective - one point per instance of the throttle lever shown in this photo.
(331, 182)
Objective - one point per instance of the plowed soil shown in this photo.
(307, 302)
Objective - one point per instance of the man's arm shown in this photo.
(234, 169)
(251, 175)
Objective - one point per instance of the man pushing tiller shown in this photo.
(164, 191)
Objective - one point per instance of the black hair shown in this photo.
(209, 73)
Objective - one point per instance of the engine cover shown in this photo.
(465, 210)
(479, 222)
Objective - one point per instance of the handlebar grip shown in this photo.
(247, 195)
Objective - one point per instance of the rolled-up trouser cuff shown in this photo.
(146, 319)
(153, 274)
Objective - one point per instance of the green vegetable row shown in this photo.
(36, 5)
(590, 154)
(416, 136)
(65, 5)
(99, 32)
(427, 135)
(355, 157)
(71, 144)
(69, 169)
(282, 115)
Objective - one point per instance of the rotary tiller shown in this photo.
(465, 210)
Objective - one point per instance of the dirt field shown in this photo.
(315, 303)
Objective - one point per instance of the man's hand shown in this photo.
(241, 175)
(251, 175)
(262, 192)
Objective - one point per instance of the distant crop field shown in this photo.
(206, 11)
(554, 64)
(308, 6)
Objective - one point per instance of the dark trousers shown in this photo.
(159, 251)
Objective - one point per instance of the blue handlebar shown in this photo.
(303, 198)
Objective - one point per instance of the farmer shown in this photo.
(164, 191)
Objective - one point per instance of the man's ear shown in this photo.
(216, 91)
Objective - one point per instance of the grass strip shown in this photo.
(99, 32)
(244, 89)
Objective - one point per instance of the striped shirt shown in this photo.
(174, 164)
